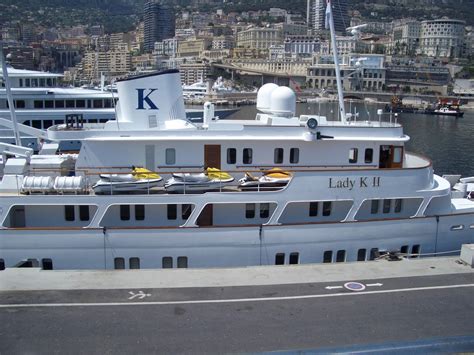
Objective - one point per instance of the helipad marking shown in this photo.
(234, 300)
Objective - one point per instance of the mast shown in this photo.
(330, 22)
(9, 97)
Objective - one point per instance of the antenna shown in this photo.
(9, 96)
(330, 22)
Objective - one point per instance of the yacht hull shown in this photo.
(233, 246)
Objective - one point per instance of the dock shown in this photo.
(410, 304)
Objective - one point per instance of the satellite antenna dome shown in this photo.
(264, 97)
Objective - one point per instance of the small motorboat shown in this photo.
(212, 179)
(273, 179)
(139, 180)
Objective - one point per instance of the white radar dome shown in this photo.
(283, 102)
(264, 97)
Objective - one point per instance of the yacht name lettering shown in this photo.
(142, 98)
(350, 184)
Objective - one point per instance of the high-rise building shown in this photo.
(159, 23)
(316, 15)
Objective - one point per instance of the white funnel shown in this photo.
(147, 101)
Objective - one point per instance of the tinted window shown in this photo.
(124, 212)
(294, 155)
(250, 210)
(369, 155)
(278, 156)
(247, 156)
(231, 156)
(172, 212)
(170, 156)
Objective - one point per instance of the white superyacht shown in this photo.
(153, 190)
(349, 190)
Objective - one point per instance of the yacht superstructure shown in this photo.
(351, 191)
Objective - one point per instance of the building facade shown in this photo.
(259, 38)
(159, 24)
(442, 38)
(316, 15)
(405, 37)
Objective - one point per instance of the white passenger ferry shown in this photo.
(342, 192)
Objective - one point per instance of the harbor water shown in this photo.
(447, 141)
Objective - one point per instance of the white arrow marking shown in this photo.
(140, 295)
(377, 284)
(332, 287)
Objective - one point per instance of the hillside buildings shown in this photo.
(159, 23)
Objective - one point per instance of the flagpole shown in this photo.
(330, 21)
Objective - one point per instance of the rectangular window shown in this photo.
(2, 264)
(404, 249)
(170, 156)
(47, 264)
(186, 211)
(98, 104)
(59, 103)
(47, 124)
(38, 104)
(84, 213)
(415, 250)
(36, 124)
(386, 206)
(42, 82)
(327, 257)
(49, 104)
(107, 103)
(361, 254)
(374, 253)
(250, 210)
(398, 205)
(397, 154)
(264, 210)
(80, 103)
(313, 209)
(119, 263)
(182, 262)
(134, 263)
(172, 211)
(27, 83)
(278, 156)
(294, 258)
(69, 103)
(140, 212)
(369, 155)
(231, 156)
(340, 256)
(374, 207)
(280, 259)
(353, 155)
(69, 213)
(20, 104)
(247, 156)
(294, 155)
(167, 262)
(327, 206)
(125, 212)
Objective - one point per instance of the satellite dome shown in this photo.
(264, 97)
(283, 102)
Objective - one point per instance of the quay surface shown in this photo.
(410, 304)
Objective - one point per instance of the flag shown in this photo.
(328, 14)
